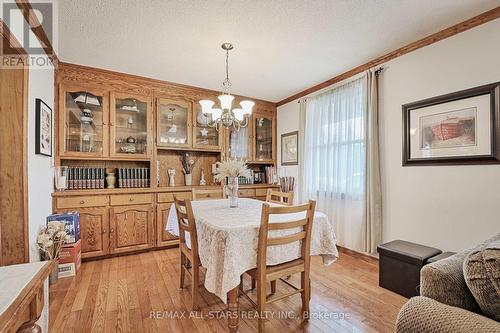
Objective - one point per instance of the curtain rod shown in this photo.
(376, 71)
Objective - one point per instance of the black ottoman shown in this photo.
(400, 263)
(443, 255)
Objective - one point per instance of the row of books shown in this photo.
(85, 178)
(271, 175)
(94, 178)
(133, 177)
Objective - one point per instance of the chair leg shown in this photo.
(273, 287)
(253, 284)
(261, 304)
(305, 284)
(194, 286)
(182, 272)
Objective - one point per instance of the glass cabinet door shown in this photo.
(239, 143)
(263, 136)
(173, 123)
(205, 136)
(130, 125)
(83, 129)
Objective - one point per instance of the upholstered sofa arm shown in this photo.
(425, 315)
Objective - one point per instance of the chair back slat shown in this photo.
(286, 239)
(207, 194)
(284, 198)
(287, 225)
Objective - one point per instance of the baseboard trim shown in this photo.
(360, 255)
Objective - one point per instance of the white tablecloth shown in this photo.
(228, 238)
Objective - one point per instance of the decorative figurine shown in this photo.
(203, 182)
(171, 177)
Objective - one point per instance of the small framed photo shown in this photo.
(458, 128)
(290, 148)
(43, 128)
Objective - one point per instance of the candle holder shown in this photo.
(61, 177)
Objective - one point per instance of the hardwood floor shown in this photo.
(122, 294)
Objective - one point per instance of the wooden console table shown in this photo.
(22, 296)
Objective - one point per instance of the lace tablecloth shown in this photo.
(228, 238)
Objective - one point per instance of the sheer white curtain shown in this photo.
(333, 164)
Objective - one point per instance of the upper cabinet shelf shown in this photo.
(173, 123)
(83, 122)
(95, 121)
(91, 126)
(131, 125)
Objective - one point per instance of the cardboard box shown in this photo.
(72, 221)
(67, 270)
(70, 259)
(71, 253)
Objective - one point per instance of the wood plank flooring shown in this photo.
(139, 293)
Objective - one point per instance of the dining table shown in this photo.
(228, 241)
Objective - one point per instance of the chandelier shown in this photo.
(226, 115)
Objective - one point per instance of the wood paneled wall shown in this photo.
(13, 155)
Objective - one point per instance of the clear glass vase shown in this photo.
(232, 191)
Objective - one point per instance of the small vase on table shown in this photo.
(232, 191)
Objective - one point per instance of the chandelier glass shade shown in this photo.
(226, 115)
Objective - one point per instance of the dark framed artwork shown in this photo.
(43, 128)
(458, 128)
(290, 148)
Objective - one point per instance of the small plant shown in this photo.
(51, 238)
(231, 168)
(188, 162)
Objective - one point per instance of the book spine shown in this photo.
(103, 175)
(78, 184)
(70, 178)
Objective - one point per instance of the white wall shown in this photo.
(449, 207)
(40, 179)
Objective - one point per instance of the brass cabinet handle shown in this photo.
(131, 199)
(82, 202)
(111, 230)
(103, 231)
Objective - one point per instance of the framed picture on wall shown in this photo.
(43, 128)
(290, 148)
(458, 128)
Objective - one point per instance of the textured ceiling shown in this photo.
(281, 46)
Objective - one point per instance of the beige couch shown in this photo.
(446, 304)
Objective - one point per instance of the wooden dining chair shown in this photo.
(284, 198)
(190, 260)
(264, 274)
(207, 194)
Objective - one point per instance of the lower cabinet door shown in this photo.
(163, 237)
(131, 228)
(94, 229)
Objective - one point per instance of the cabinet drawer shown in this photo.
(246, 193)
(169, 197)
(84, 201)
(128, 199)
(261, 192)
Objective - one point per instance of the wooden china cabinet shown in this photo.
(110, 120)
(263, 137)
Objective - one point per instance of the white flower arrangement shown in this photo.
(51, 238)
(232, 168)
